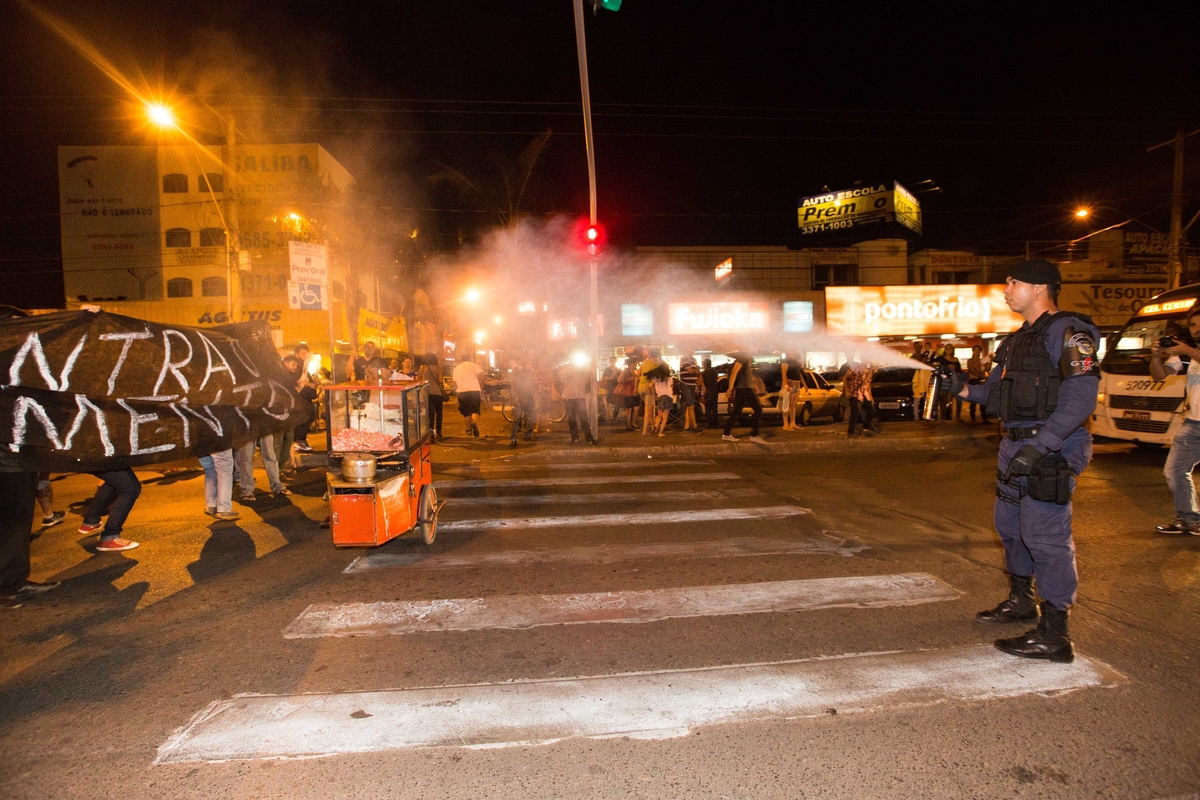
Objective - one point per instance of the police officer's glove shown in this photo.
(1024, 462)
(956, 383)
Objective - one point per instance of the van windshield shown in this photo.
(1129, 350)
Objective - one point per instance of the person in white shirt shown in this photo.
(467, 377)
(1185, 449)
(406, 372)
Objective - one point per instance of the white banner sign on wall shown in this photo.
(310, 262)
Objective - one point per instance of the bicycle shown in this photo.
(554, 410)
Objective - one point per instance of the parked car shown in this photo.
(893, 392)
(818, 399)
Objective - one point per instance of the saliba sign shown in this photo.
(88, 391)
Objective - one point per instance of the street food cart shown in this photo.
(380, 478)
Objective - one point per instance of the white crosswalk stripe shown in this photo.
(584, 480)
(601, 498)
(826, 544)
(560, 466)
(631, 518)
(650, 605)
(638, 705)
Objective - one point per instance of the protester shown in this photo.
(307, 389)
(792, 381)
(948, 362)
(45, 499)
(741, 395)
(18, 491)
(360, 362)
(664, 396)
(977, 372)
(406, 371)
(608, 386)
(650, 362)
(576, 385)
(524, 390)
(115, 497)
(467, 377)
(218, 485)
(710, 380)
(627, 392)
(689, 388)
(431, 372)
(857, 385)
(1185, 448)
(243, 460)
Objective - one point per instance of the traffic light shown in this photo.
(611, 5)
(591, 235)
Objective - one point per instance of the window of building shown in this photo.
(956, 277)
(210, 181)
(212, 287)
(179, 237)
(179, 287)
(832, 275)
(212, 237)
(175, 183)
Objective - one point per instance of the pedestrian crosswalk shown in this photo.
(515, 523)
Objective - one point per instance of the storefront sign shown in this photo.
(527, 308)
(918, 310)
(797, 316)
(848, 208)
(723, 270)
(1108, 304)
(636, 320)
(561, 330)
(309, 262)
(724, 317)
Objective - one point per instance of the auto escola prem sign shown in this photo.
(918, 310)
(717, 317)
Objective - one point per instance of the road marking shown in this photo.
(583, 480)
(622, 465)
(631, 518)
(650, 605)
(601, 497)
(643, 705)
(609, 554)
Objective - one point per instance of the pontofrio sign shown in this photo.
(918, 310)
(718, 317)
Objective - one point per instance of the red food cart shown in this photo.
(380, 477)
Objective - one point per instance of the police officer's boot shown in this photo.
(1048, 640)
(1019, 607)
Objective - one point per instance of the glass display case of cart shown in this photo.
(387, 419)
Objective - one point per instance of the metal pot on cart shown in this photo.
(380, 478)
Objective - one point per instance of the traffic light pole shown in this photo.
(593, 326)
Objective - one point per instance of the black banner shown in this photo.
(89, 391)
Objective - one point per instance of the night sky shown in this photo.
(711, 118)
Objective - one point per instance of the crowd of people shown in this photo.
(973, 374)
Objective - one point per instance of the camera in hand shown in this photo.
(1168, 341)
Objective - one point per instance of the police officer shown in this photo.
(1043, 388)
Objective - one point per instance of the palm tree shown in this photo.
(503, 197)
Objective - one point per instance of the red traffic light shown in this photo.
(590, 235)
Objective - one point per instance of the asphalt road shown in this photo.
(772, 626)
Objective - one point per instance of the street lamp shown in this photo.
(161, 115)
(471, 296)
(1082, 213)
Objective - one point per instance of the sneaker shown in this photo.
(870, 432)
(227, 515)
(512, 443)
(211, 511)
(115, 545)
(1178, 527)
(728, 438)
(53, 519)
(304, 447)
(592, 442)
(758, 440)
(88, 528)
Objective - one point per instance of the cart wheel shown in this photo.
(427, 512)
(558, 411)
(507, 411)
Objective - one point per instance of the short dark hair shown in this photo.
(1052, 290)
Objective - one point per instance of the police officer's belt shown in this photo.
(1017, 434)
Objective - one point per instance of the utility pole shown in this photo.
(233, 277)
(593, 327)
(1175, 250)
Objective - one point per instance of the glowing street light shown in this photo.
(160, 115)
(472, 296)
(498, 320)
(1082, 213)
